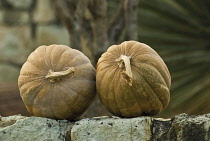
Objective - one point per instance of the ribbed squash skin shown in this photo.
(67, 98)
(149, 92)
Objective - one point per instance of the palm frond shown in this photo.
(179, 30)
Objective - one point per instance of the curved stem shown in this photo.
(56, 76)
(124, 62)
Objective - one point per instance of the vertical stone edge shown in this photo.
(68, 132)
(159, 128)
(141, 128)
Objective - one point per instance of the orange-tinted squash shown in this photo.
(57, 82)
(132, 80)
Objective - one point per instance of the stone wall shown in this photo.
(180, 128)
(25, 25)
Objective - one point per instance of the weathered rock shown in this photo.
(43, 12)
(112, 129)
(19, 128)
(180, 128)
(160, 127)
(19, 4)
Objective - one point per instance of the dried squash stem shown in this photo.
(56, 76)
(124, 62)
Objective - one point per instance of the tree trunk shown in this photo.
(92, 33)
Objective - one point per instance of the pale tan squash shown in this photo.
(132, 80)
(57, 82)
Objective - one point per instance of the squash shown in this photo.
(132, 80)
(57, 82)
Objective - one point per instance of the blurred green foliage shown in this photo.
(179, 30)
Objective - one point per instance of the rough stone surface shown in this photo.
(18, 128)
(180, 128)
(112, 129)
(160, 127)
